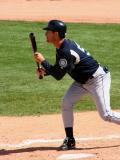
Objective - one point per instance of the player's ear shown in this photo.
(57, 35)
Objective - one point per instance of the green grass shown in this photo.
(22, 93)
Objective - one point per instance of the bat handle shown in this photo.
(38, 66)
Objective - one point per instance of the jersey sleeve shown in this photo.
(67, 61)
(53, 70)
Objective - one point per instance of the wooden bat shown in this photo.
(34, 48)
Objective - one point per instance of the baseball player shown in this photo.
(89, 77)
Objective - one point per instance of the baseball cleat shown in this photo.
(68, 144)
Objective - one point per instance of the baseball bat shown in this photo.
(34, 48)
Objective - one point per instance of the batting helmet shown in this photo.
(57, 26)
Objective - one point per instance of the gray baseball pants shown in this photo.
(99, 89)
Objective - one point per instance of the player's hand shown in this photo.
(41, 72)
(39, 57)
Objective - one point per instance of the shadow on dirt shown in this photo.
(33, 149)
(23, 150)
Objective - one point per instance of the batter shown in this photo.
(88, 75)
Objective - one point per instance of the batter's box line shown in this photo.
(29, 142)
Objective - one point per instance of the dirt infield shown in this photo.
(68, 10)
(37, 138)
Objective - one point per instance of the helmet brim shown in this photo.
(45, 28)
(48, 29)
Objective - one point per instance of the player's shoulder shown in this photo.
(66, 45)
(64, 50)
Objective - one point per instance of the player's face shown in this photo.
(50, 36)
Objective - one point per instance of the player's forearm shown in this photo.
(47, 66)
(56, 72)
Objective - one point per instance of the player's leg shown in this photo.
(72, 95)
(100, 92)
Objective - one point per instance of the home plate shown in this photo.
(74, 156)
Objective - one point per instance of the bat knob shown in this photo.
(40, 77)
(31, 34)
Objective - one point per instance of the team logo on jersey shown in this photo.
(63, 63)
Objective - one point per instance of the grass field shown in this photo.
(22, 93)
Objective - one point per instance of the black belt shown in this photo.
(105, 69)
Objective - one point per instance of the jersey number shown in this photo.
(82, 49)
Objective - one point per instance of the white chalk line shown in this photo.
(74, 156)
(28, 142)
